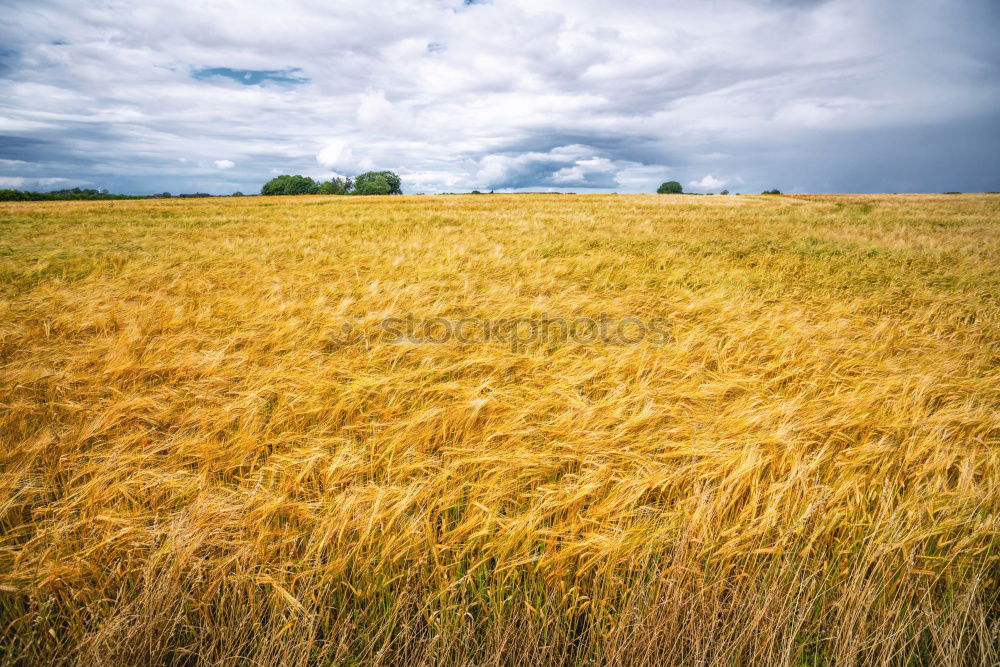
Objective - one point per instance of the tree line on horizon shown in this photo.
(368, 183)
(11, 194)
(94, 194)
(674, 188)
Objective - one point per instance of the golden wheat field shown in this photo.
(197, 466)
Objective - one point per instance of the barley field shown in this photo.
(213, 451)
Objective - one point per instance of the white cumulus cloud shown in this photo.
(225, 164)
(707, 183)
(339, 157)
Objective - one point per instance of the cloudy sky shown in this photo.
(578, 95)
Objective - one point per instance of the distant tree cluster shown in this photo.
(674, 188)
(378, 183)
(61, 195)
(87, 193)
(368, 183)
(290, 185)
(670, 188)
(336, 186)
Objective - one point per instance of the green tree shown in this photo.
(372, 183)
(290, 185)
(301, 185)
(362, 184)
(669, 188)
(395, 182)
(275, 186)
(336, 186)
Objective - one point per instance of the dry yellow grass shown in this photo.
(193, 469)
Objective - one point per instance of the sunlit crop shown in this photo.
(197, 466)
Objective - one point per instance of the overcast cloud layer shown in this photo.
(585, 96)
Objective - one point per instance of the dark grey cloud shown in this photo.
(8, 60)
(833, 95)
(21, 148)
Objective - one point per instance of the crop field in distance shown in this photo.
(215, 450)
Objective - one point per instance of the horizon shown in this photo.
(809, 96)
(138, 196)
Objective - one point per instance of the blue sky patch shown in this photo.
(253, 77)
